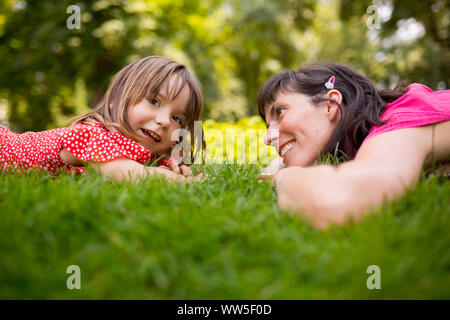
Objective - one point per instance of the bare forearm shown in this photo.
(311, 193)
(325, 194)
(384, 167)
(124, 170)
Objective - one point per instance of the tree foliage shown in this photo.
(50, 73)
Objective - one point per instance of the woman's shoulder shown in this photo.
(419, 106)
(420, 96)
(414, 87)
(419, 102)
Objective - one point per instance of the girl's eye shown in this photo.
(177, 119)
(154, 102)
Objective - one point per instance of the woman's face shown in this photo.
(297, 128)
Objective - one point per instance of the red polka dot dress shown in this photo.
(40, 150)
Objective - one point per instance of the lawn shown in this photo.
(224, 238)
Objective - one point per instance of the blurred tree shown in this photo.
(261, 41)
(42, 58)
(415, 34)
(49, 73)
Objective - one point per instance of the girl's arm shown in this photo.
(384, 167)
(126, 169)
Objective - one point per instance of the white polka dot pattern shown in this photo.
(40, 150)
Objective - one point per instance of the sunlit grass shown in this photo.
(222, 238)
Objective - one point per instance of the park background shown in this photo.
(224, 238)
(49, 73)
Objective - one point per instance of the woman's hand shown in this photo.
(272, 169)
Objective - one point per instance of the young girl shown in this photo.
(134, 123)
(389, 135)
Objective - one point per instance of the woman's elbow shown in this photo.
(320, 215)
(320, 209)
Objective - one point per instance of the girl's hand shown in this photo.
(168, 174)
(180, 173)
(169, 163)
(197, 178)
(183, 169)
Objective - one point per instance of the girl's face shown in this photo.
(155, 119)
(297, 128)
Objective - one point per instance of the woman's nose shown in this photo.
(271, 138)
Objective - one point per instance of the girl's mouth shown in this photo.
(286, 147)
(152, 135)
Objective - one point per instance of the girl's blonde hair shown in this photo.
(143, 79)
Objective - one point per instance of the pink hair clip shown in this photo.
(330, 83)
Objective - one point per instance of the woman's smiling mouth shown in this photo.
(154, 136)
(286, 147)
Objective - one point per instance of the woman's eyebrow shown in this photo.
(272, 110)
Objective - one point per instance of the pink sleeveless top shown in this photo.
(419, 106)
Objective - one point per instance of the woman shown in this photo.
(388, 135)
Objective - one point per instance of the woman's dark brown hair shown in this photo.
(361, 107)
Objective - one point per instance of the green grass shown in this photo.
(220, 239)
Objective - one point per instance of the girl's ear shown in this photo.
(333, 106)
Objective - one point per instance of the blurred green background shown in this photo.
(49, 73)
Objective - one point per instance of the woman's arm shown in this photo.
(384, 167)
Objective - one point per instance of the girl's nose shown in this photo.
(163, 118)
(271, 138)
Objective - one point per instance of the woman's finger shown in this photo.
(274, 166)
(263, 176)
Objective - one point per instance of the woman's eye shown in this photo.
(280, 111)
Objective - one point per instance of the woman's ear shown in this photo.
(333, 106)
